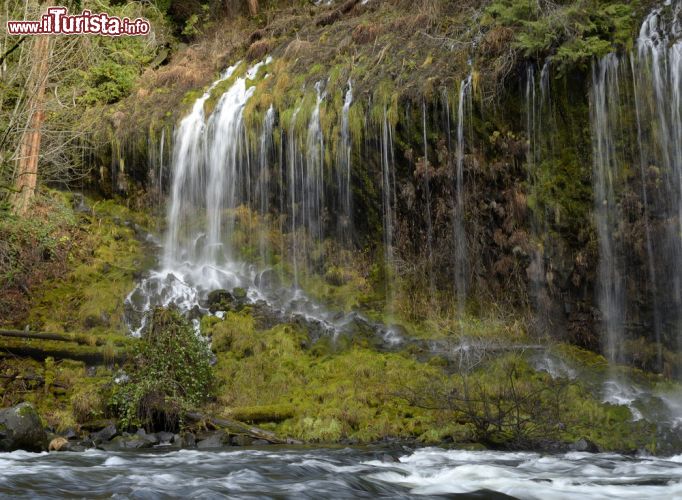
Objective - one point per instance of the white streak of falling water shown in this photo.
(658, 91)
(226, 146)
(607, 162)
(461, 254)
(186, 184)
(651, 264)
(292, 161)
(538, 134)
(388, 201)
(427, 191)
(313, 198)
(343, 171)
(263, 181)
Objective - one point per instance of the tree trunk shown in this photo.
(253, 7)
(29, 149)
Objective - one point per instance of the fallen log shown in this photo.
(32, 378)
(239, 428)
(59, 337)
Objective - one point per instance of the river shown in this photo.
(275, 472)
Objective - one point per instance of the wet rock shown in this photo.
(386, 458)
(70, 434)
(219, 300)
(216, 440)
(151, 438)
(165, 437)
(21, 429)
(105, 434)
(131, 442)
(188, 440)
(194, 313)
(584, 445)
(260, 442)
(241, 440)
(239, 293)
(79, 204)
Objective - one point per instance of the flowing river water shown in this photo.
(274, 472)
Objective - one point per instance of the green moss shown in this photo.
(104, 260)
(222, 87)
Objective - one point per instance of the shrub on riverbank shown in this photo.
(170, 374)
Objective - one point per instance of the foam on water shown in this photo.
(338, 473)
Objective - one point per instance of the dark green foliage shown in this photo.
(108, 83)
(171, 374)
(570, 32)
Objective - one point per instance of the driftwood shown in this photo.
(60, 337)
(239, 428)
(90, 358)
(32, 378)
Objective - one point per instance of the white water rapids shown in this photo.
(273, 472)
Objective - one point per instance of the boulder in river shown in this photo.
(21, 429)
(105, 434)
(215, 440)
(129, 442)
(584, 445)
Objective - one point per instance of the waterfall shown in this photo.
(293, 178)
(427, 191)
(647, 84)
(187, 186)
(657, 75)
(263, 181)
(607, 163)
(538, 131)
(343, 172)
(388, 201)
(217, 173)
(460, 237)
(312, 198)
(225, 148)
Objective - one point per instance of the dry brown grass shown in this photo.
(259, 49)
(365, 33)
(298, 48)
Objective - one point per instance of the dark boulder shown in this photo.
(584, 445)
(130, 442)
(188, 440)
(215, 440)
(241, 440)
(219, 300)
(105, 434)
(165, 438)
(21, 429)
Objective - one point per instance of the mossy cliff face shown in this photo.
(531, 246)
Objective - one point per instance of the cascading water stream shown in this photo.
(427, 191)
(460, 238)
(537, 131)
(388, 199)
(214, 176)
(313, 196)
(607, 162)
(343, 171)
(648, 87)
(263, 182)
